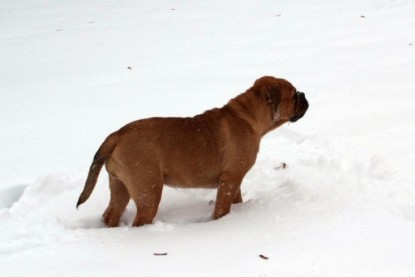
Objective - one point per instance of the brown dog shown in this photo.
(211, 150)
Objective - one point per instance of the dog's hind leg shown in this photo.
(118, 202)
(146, 191)
(147, 206)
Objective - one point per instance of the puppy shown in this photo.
(214, 149)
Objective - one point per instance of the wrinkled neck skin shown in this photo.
(262, 119)
(275, 125)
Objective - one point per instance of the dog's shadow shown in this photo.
(190, 206)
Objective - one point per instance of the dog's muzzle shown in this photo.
(301, 106)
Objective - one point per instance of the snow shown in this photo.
(343, 206)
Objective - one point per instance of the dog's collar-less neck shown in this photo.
(275, 116)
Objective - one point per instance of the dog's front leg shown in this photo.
(228, 193)
(238, 197)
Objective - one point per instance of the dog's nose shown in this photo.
(301, 95)
(303, 101)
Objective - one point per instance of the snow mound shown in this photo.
(331, 195)
(314, 196)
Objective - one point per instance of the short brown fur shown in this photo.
(211, 150)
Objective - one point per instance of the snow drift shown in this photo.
(344, 204)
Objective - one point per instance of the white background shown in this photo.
(345, 204)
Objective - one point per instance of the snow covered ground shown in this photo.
(73, 71)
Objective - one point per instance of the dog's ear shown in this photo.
(268, 89)
(273, 95)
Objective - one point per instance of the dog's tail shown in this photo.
(102, 155)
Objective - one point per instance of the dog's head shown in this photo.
(285, 102)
